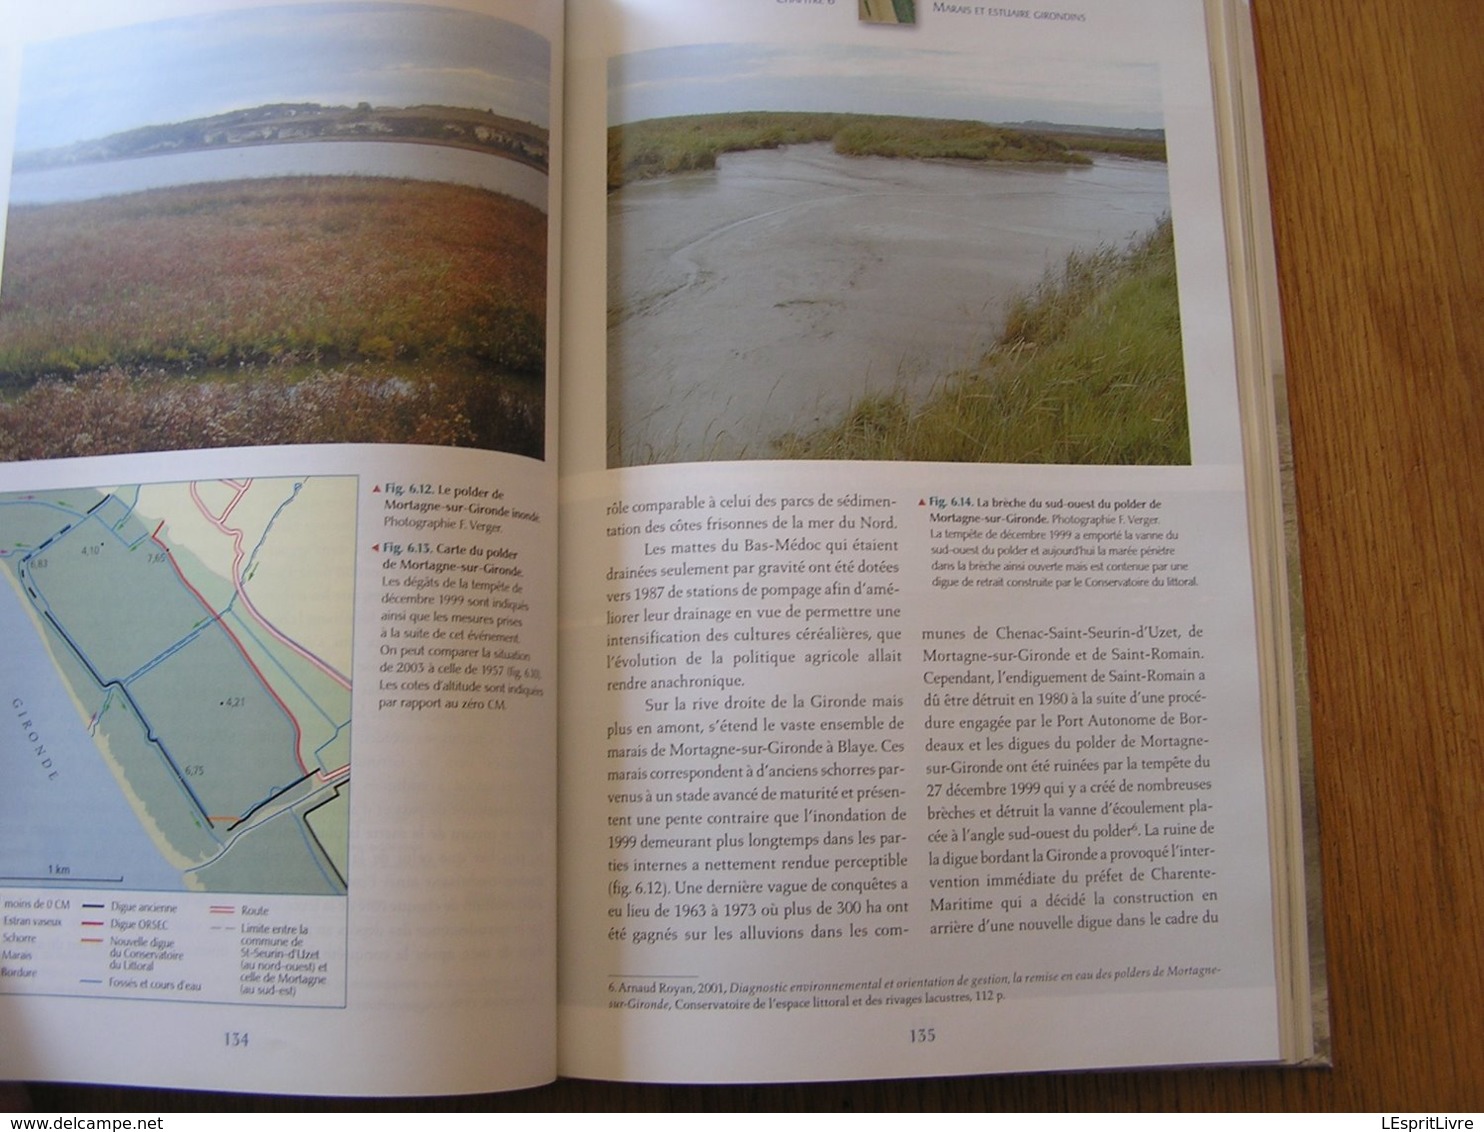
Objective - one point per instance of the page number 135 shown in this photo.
(922, 1035)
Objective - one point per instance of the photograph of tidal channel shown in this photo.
(883, 253)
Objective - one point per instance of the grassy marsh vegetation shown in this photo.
(1088, 370)
(314, 309)
(662, 146)
(1141, 149)
(113, 411)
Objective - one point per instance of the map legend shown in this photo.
(283, 950)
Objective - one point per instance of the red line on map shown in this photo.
(235, 534)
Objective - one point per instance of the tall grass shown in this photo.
(662, 146)
(1138, 148)
(927, 139)
(305, 268)
(318, 308)
(1088, 370)
(659, 147)
(113, 412)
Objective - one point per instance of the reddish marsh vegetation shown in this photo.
(298, 310)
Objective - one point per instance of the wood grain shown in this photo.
(1375, 123)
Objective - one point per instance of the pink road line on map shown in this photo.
(242, 489)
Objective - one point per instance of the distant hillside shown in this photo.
(280, 123)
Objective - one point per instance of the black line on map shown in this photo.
(282, 790)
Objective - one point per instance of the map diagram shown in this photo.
(175, 692)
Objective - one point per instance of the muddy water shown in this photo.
(300, 159)
(769, 295)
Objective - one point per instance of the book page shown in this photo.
(277, 534)
(912, 712)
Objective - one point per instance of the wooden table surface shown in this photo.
(1375, 126)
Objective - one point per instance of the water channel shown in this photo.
(297, 159)
(767, 296)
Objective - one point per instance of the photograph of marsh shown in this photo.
(889, 253)
(282, 225)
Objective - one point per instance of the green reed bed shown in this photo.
(1138, 148)
(663, 146)
(1088, 370)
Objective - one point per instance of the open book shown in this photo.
(643, 540)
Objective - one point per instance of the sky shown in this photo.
(92, 85)
(709, 78)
